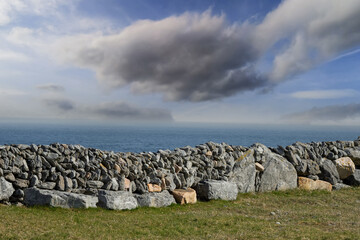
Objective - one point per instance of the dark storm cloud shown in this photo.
(51, 88)
(198, 57)
(192, 57)
(62, 105)
(125, 111)
(331, 113)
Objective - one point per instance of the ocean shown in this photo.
(145, 138)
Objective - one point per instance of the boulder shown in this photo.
(345, 167)
(339, 186)
(278, 174)
(244, 172)
(184, 196)
(329, 172)
(309, 184)
(214, 189)
(116, 200)
(53, 198)
(154, 199)
(6, 189)
(353, 180)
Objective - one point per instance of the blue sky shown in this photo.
(259, 61)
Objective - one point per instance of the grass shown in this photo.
(298, 215)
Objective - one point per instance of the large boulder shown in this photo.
(154, 199)
(309, 184)
(244, 172)
(353, 180)
(329, 172)
(278, 174)
(116, 200)
(6, 189)
(213, 189)
(184, 196)
(345, 167)
(41, 197)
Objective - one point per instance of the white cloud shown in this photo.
(318, 30)
(325, 94)
(11, 92)
(6, 55)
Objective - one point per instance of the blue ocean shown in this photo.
(145, 138)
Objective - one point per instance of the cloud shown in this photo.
(125, 111)
(193, 57)
(316, 30)
(328, 113)
(62, 105)
(7, 55)
(11, 92)
(325, 94)
(51, 88)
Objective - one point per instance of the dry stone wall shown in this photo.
(41, 172)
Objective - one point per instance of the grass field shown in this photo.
(278, 215)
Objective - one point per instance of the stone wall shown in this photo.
(73, 169)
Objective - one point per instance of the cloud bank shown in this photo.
(325, 94)
(198, 57)
(51, 87)
(329, 113)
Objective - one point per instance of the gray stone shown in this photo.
(279, 174)
(354, 154)
(47, 185)
(60, 183)
(244, 172)
(94, 184)
(353, 180)
(34, 181)
(10, 177)
(339, 186)
(116, 200)
(6, 189)
(21, 183)
(53, 198)
(329, 172)
(161, 199)
(213, 189)
(19, 193)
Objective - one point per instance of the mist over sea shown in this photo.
(144, 138)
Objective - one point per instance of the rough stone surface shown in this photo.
(329, 172)
(212, 189)
(353, 180)
(339, 186)
(154, 199)
(116, 200)
(244, 172)
(279, 174)
(309, 184)
(53, 198)
(345, 167)
(6, 189)
(154, 188)
(184, 196)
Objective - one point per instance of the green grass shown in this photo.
(302, 215)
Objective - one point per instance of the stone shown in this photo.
(60, 184)
(243, 173)
(127, 184)
(339, 186)
(309, 184)
(34, 181)
(10, 177)
(19, 193)
(279, 174)
(154, 199)
(259, 167)
(153, 188)
(6, 189)
(354, 154)
(53, 198)
(345, 167)
(94, 184)
(353, 180)
(47, 185)
(214, 189)
(116, 200)
(184, 196)
(329, 172)
(21, 183)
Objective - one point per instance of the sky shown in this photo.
(243, 61)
